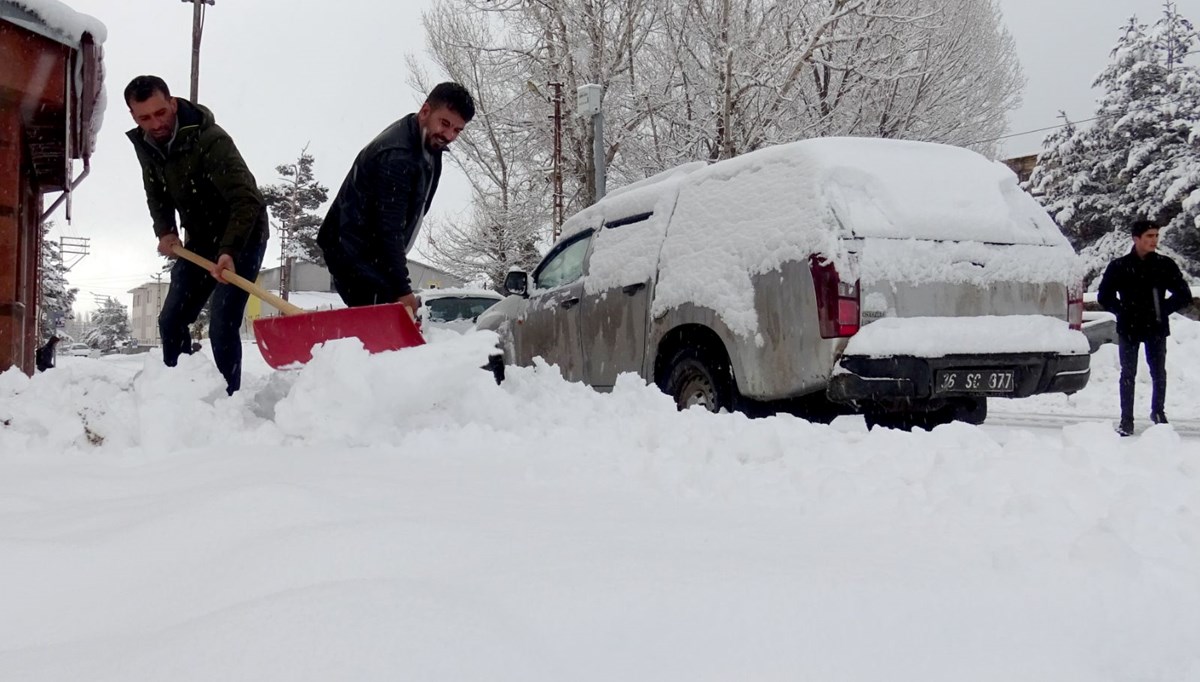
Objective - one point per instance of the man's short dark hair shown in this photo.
(143, 88)
(453, 96)
(1141, 227)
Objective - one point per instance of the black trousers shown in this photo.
(356, 287)
(1156, 358)
(357, 292)
(191, 288)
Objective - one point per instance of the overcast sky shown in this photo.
(279, 74)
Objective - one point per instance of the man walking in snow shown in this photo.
(190, 166)
(374, 220)
(1135, 288)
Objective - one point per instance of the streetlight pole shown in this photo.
(197, 33)
(558, 176)
(588, 100)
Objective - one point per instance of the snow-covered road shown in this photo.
(402, 517)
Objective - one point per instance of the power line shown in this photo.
(1085, 120)
(110, 278)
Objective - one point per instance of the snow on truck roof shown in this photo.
(866, 187)
(919, 190)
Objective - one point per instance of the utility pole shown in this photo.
(197, 33)
(77, 247)
(286, 261)
(158, 277)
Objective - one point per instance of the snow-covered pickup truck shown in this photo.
(908, 281)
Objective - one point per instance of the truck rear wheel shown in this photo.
(696, 378)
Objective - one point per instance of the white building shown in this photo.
(147, 302)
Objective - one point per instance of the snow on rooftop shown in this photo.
(63, 20)
(59, 22)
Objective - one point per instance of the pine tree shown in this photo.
(294, 202)
(110, 326)
(1161, 172)
(56, 297)
(1081, 200)
(1141, 159)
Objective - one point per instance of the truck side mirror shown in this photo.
(516, 282)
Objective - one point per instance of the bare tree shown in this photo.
(702, 79)
(754, 72)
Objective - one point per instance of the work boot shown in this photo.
(1158, 417)
(1125, 428)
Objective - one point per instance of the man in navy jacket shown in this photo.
(1135, 288)
(374, 220)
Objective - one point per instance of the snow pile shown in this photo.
(63, 20)
(935, 337)
(400, 516)
(160, 408)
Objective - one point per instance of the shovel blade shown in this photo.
(289, 340)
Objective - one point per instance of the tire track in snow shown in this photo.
(1188, 428)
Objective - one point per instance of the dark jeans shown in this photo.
(191, 287)
(1156, 358)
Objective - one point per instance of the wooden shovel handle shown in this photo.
(241, 283)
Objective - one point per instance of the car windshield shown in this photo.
(457, 308)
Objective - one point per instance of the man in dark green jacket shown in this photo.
(374, 220)
(191, 167)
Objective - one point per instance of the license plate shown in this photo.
(975, 381)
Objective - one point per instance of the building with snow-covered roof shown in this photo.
(307, 276)
(51, 105)
(1022, 165)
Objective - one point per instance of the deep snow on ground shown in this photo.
(400, 516)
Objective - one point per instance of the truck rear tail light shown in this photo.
(838, 308)
(1075, 308)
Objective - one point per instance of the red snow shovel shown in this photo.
(289, 340)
